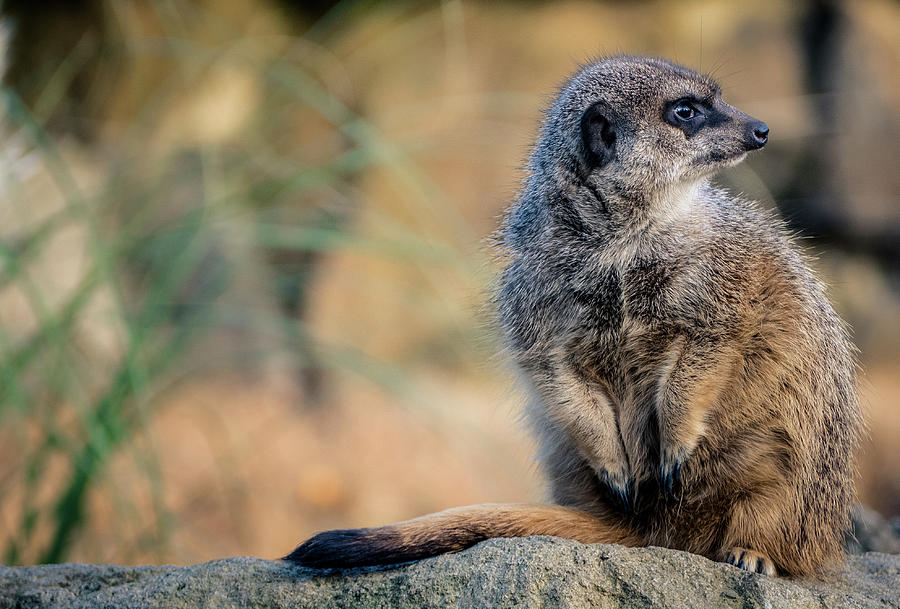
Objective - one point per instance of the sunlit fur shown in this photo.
(691, 387)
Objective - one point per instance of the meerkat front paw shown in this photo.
(671, 462)
(750, 561)
(619, 486)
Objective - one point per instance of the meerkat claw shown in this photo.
(748, 560)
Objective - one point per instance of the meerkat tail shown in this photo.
(453, 530)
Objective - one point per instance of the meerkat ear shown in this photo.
(598, 135)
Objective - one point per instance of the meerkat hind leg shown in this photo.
(750, 561)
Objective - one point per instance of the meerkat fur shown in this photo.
(690, 385)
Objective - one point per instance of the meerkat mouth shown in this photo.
(720, 159)
(735, 160)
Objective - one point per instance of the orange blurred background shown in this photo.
(244, 292)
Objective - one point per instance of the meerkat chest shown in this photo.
(620, 297)
(627, 312)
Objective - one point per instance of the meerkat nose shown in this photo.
(759, 135)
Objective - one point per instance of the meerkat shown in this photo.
(691, 386)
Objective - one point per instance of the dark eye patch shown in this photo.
(691, 114)
(687, 114)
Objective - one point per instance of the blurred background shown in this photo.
(243, 263)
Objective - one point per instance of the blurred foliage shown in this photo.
(170, 224)
(201, 189)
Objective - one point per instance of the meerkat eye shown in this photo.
(686, 114)
(684, 111)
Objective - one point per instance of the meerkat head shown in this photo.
(634, 128)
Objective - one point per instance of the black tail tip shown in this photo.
(343, 548)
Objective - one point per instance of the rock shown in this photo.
(530, 572)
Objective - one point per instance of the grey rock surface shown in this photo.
(530, 572)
